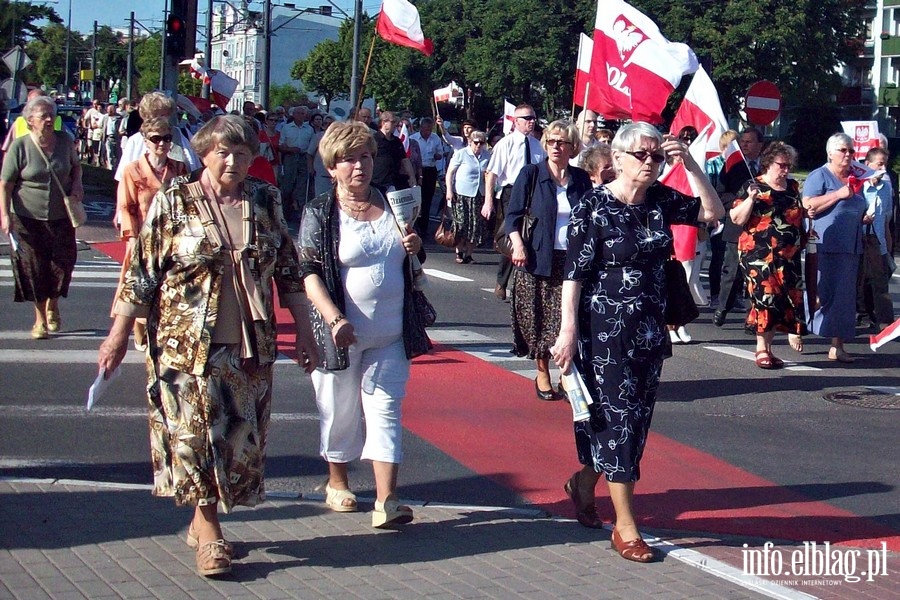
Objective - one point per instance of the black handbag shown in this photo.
(680, 307)
(502, 243)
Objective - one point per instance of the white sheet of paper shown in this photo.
(100, 387)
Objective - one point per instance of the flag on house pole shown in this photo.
(398, 23)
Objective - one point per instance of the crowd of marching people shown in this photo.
(598, 259)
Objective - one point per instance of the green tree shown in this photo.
(112, 54)
(286, 94)
(147, 56)
(796, 45)
(18, 22)
(189, 86)
(49, 55)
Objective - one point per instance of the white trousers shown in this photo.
(369, 391)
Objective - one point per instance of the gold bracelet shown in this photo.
(336, 320)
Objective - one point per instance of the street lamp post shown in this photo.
(68, 44)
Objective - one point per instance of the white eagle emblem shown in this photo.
(628, 37)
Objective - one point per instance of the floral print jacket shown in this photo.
(175, 276)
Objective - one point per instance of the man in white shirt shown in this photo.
(111, 136)
(508, 156)
(432, 149)
(95, 131)
(293, 142)
(587, 127)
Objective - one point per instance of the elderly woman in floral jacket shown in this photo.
(201, 274)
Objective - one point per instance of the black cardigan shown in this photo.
(544, 207)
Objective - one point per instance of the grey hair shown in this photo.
(631, 135)
(836, 140)
(482, 137)
(34, 103)
(231, 129)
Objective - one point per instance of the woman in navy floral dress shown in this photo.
(613, 304)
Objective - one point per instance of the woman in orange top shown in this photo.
(140, 182)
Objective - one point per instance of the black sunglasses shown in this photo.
(528, 118)
(156, 139)
(642, 156)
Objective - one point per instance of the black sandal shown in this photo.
(459, 258)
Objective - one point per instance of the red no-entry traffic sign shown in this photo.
(763, 103)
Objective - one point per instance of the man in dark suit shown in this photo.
(731, 181)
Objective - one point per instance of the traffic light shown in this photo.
(176, 36)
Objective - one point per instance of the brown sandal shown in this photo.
(636, 550)
(585, 513)
(212, 559)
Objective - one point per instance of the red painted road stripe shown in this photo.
(488, 420)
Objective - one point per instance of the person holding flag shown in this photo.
(833, 197)
(768, 208)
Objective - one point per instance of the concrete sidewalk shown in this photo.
(67, 540)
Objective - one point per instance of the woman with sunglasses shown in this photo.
(839, 212)
(769, 210)
(547, 191)
(465, 194)
(613, 328)
(141, 180)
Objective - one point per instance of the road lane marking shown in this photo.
(75, 284)
(77, 274)
(110, 412)
(789, 365)
(445, 275)
(895, 390)
(61, 335)
(457, 336)
(72, 357)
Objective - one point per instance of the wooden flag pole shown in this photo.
(587, 87)
(362, 85)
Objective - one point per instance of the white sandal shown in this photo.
(334, 499)
(391, 512)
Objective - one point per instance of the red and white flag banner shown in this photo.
(509, 116)
(403, 134)
(221, 88)
(702, 110)
(449, 93)
(864, 134)
(398, 23)
(586, 94)
(634, 66)
(891, 332)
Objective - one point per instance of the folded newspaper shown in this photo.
(406, 205)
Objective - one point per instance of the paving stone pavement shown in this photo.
(70, 540)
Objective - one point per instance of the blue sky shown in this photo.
(150, 12)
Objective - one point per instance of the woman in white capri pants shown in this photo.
(354, 261)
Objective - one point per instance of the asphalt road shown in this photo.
(773, 424)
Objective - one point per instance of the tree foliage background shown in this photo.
(525, 50)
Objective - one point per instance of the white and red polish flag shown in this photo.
(587, 94)
(221, 88)
(398, 23)
(634, 66)
(403, 134)
(509, 116)
(891, 332)
(702, 110)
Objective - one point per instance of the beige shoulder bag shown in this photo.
(74, 206)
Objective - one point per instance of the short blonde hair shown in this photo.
(156, 125)
(341, 138)
(569, 131)
(728, 136)
(231, 129)
(155, 103)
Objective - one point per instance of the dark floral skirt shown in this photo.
(45, 259)
(536, 310)
(468, 223)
